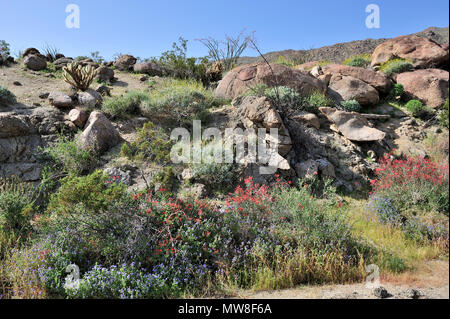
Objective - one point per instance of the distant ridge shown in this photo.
(338, 52)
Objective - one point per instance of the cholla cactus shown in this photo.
(80, 77)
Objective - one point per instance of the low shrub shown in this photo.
(360, 60)
(289, 62)
(316, 99)
(415, 107)
(180, 102)
(396, 66)
(216, 176)
(6, 97)
(351, 106)
(4, 52)
(124, 106)
(284, 97)
(443, 116)
(65, 157)
(396, 91)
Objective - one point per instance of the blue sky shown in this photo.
(147, 28)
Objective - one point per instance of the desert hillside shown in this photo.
(336, 169)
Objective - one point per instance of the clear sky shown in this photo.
(147, 28)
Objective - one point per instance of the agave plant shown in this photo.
(80, 77)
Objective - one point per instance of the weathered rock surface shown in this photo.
(377, 80)
(125, 62)
(78, 117)
(308, 118)
(35, 62)
(149, 68)
(352, 125)
(244, 77)
(99, 134)
(429, 86)
(89, 98)
(423, 52)
(105, 74)
(344, 88)
(60, 100)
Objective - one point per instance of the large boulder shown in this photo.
(60, 100)
(125, 62)
(344, 88)
(429, 86)
(149, 68)
(244, 77)
(35, 62)
(89, 98)
(105, 74)
(423, 52)
(99, 134)
(378, 80)
(352, 125)
(62, 62)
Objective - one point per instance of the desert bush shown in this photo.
(360, 60)
(50, 52)
(175, 63)
(151, 144)
(91, 193)
(289, 62)
(443, 116)
(351, 106)
(216, 176)
(78, 76)
(415, 107)
(395, 92)
(6, 96)
(96, 57)
(16, 209)
(396, 66)
(414, 182)
(284, 97)
(65, 157)
(316, 99)
(179, 102)
(227, 52)
(4, 52)
(123, 106)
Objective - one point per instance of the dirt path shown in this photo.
(431, 280)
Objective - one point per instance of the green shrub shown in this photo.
(151, 144)
(124, 106)
(4, 52)
(179, 102)
(66, 157)
(284, 97)
(396, 91)
(396, 66)
(361, 60)
(216, 176)
(287, 61)
(6, 97)
(316, 99)
(351, 106)
(91, 193)
(16, 207)
(415, 107)
(443, 116)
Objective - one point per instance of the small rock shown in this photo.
(78, 117)
(380, 292)
(44, 95)
(412, 293)
(143, 78)
(104, 90)
(89, 98)
(118, 176)
(60, 100)
(17, 83)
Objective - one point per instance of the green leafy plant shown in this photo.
(396, 91)
(123, 106)
(6, 96)
(360, 60)
(4, 52)
(396, 66)
(351, 106)
(443, 117)
(415, 107)
(316, 99)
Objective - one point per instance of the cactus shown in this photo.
(80, 77)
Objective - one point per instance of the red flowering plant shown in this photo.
(412, 182)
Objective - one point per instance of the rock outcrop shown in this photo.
(344, 88)
(99, 134)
